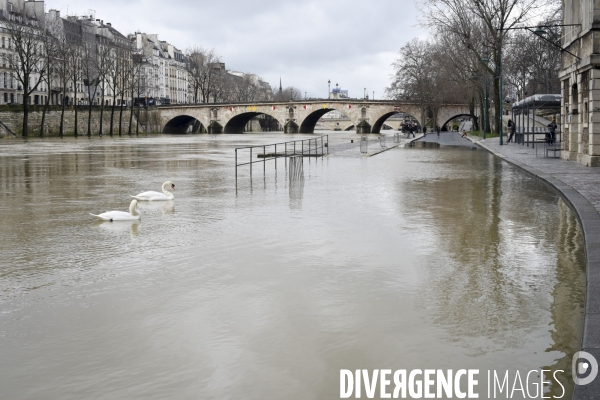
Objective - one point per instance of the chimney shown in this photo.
(109, 24)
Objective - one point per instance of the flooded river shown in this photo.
(415, 258)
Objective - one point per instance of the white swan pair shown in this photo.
(134, 214)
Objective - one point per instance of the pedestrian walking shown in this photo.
(511, 128)
(412, 130)
(552, 132)
(424, 131)
(438, 130)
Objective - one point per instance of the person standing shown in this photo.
(438, 130)
(424, 131)
(511, 128)
(552, 132)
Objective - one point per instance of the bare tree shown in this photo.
(90, 70)
(51, 43)
(203, 68)
(483, 26)
(74, 67)
(28, 59)
(289, 93)
(126, 76)
(135, 83)
(114, 80)
(62, 55)
(105, 64)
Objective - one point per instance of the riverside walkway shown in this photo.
(579, 186)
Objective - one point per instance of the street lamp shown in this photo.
(485, 62)
(291, 95)
(329, 89)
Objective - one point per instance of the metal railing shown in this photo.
(313, 147)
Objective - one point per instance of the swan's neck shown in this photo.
(133, 210)
(167, 193)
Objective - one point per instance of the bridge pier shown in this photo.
(291, 127)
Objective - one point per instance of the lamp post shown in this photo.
(329, 89)
(291, 95)
(365, 93)
(485, 62)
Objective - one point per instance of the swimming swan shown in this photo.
(156, 196)
(111, 216)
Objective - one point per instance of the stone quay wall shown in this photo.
(11, 117)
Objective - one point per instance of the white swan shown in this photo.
(111, 216)
(156, 196)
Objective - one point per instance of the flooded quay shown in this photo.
(419, 257)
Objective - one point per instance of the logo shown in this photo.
(585, 368)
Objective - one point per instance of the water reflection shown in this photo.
(121, 226)
(489, 260)
(166, 207)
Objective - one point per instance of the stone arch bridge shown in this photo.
(295, 116)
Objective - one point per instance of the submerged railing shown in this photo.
(313, 147)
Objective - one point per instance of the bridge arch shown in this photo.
(237, 123)
(310, 121)
(183, 124)
(454, 117)
(380, 121)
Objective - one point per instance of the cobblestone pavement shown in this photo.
(585, 180)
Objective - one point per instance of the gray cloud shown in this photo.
(306, 42)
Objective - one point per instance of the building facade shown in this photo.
(580, 82)
(165, 77)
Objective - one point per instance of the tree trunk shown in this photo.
(62, 113)
(101, 112)
(121, 114)
(25, 113)
(130, 130)
(75, 133)
(44, 116)
(137, 122)
(112, 114)
(89, 127)
(498, 106)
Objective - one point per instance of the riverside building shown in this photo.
(580, 82)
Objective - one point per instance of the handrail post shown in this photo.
(250, 162)
(264, 159)
(236, 167)
(275, 157)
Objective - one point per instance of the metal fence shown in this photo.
(314, 147)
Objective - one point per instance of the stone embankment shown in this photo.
(11, 120)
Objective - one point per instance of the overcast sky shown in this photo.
(351, 42)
